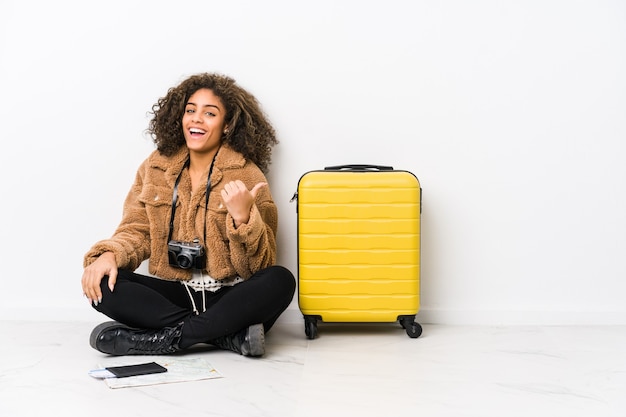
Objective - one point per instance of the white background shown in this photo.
(511, 113)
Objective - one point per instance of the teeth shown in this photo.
(194, 130)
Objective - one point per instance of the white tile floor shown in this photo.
(360, 370)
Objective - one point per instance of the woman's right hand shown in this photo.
(93, 274)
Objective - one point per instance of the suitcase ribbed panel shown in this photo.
(358, 245)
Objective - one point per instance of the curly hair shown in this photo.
(250, 132)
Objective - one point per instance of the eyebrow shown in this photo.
(206, 105)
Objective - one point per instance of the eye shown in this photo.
(189, 111)
(210, 114)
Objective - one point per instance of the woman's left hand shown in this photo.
(239, 200)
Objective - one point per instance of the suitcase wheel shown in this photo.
(413, 329)
(310, 326)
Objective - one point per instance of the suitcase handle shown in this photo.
(359, 167)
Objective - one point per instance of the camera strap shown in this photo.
(206, 199)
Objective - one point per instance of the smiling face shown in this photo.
(204, 122)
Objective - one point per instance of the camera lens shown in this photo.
(184, 261)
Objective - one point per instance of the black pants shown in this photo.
(149, 303)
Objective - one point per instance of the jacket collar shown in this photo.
(227, 158)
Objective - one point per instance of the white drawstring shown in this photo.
(201, 282)
(203, 289)
(203, 294)
(193, 303)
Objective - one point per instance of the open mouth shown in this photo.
(195, 132)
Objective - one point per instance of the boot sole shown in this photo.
(255, 339)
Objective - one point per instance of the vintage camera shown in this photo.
(186, 255)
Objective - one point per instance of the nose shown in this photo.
(197, 117)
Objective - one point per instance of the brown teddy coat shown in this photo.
(143, 230)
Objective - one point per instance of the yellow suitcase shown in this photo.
(359, 246)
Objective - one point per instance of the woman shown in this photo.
(201, 211)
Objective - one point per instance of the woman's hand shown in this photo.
(239, 201)
(93, 274)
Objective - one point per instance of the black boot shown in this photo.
(247, 342)
(117, 339)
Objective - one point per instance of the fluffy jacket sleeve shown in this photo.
(130, 243)
(253, 244)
